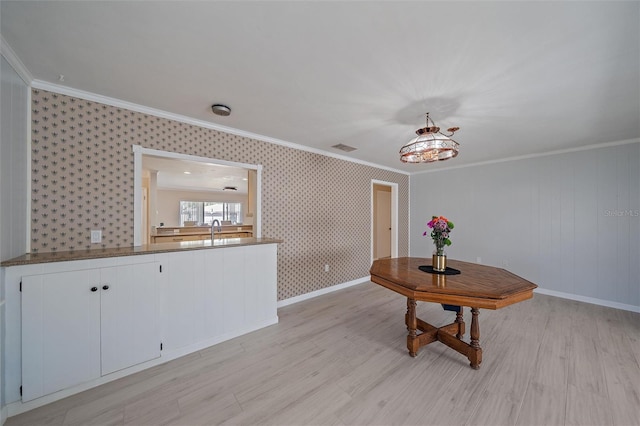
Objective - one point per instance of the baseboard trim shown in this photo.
(171, 354)
(307, 296)
(576, 297)
(592, 300)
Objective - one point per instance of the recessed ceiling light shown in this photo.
(187, 173)
(219, 109)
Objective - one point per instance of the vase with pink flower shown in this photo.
(440, 228)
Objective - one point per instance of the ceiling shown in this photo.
(196, 176)
(518, 78)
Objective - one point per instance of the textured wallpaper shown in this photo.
(82, 179)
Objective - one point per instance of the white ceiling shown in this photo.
(518, 78)
(196, 176)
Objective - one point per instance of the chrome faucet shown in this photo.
(213, 228)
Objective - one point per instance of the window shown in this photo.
(204, 212)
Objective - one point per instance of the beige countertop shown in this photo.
(63, 256)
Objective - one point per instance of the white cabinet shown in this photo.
(80, 325)
(214, 295)
(61, 337)
(210, 301)
(261, 283)
(60, 332)
(177, 295)
(234, 288)
(129, 328)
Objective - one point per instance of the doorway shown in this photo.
(384, 219)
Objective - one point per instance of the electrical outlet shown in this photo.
(96, 236)
(326, 268)
(478, 259)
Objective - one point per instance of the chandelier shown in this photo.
(430, 145)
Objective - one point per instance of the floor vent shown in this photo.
(343, 147)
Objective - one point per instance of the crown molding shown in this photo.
(118, 103)
(65, 90)
(15, 62)
(543, 154)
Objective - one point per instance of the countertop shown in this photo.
(171, 231)
(64, 256)
(199, 232)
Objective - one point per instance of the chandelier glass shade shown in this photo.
(430, 145)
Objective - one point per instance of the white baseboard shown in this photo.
(322, 291)
(576, 297)
(585, 299)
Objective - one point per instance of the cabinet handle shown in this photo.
(94, 288)
(105, 287)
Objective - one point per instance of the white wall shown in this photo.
(569, 222)
(168, 203)
(13, 163)
(14, 95)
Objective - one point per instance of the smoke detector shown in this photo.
(219, 109)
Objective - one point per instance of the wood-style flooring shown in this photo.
(340, 359)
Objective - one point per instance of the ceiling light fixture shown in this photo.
(430, 145)
(219, 109)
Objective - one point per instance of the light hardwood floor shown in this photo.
(340, 359)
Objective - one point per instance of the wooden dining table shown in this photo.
(476, 286)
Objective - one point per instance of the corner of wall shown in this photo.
(15, 150)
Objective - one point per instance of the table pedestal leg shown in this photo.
(412, 324)
(444, 334)
(475, 353)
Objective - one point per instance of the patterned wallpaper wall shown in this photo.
(82, 179)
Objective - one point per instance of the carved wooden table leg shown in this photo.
(475, 355)
(412, 324)
(460, 322)
(406, 315)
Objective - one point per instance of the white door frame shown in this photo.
(394, 215)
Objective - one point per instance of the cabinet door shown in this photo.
(60, 331)
(129, 313)
(210, 297)
(179, 272)
(233, 291)
(261, 283)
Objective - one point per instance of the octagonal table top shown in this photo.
(477, 285)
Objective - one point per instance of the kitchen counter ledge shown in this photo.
(97, 253)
